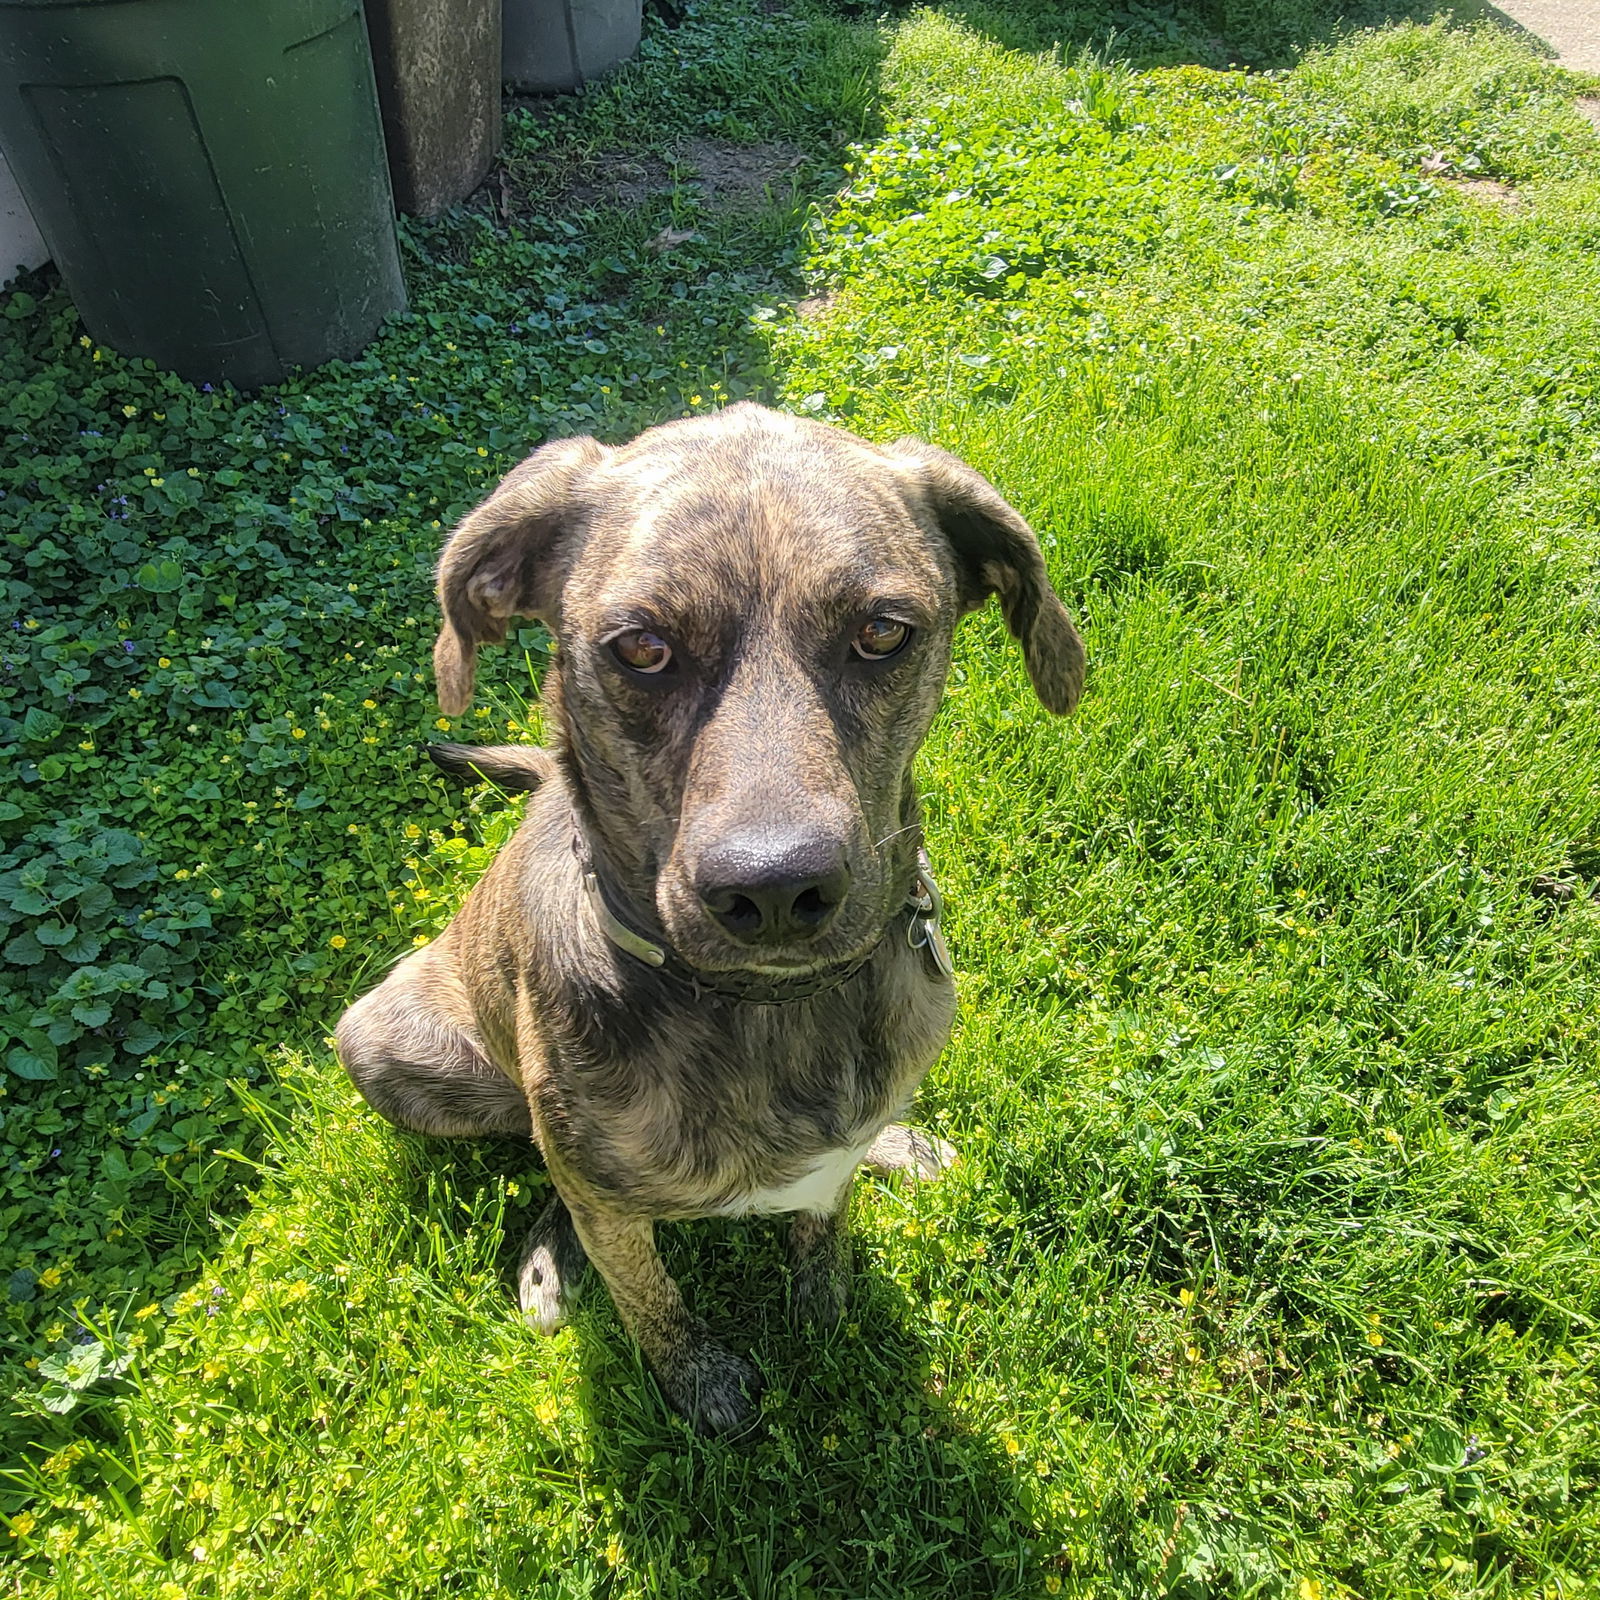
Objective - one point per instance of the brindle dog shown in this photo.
(705, 976)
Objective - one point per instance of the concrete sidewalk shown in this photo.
(1570, 27)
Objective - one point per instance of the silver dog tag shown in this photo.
(939, 950)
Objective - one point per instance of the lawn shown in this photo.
(1270, 1268)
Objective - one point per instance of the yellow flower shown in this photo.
(23, 1524)
(370, 705)
(130, 411)
(547, 1411)
(146, 1311)
(482, 451)
(421, 939)
(50, 1277)
(1310, 1589)
(1186, 1297)
(1374, 1339)
(338, 941)
(1010, 1441)
(133, 694)
(443, 724)
(413, 831)
(181, 874)
(86, 744)
(613, 1552)
(298, 733)
(164, 661)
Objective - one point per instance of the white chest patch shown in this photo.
(816, 1191)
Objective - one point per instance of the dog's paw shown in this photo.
(552, 1263)
(715, 1390)
(902, 1149)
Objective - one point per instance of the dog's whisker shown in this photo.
(910, 827)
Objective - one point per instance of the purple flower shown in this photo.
(127, 644)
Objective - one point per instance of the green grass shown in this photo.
(1270, 1266)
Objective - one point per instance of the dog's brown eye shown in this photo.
(879, 638)
(642, 651)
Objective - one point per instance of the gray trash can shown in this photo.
(553, 45)
(438, 64)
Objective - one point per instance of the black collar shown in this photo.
(919, 913)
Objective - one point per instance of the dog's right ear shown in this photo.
(508, 558)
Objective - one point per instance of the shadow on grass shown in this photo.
(861, 1481)
(1211, 33)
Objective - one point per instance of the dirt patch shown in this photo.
(618, 180)
(815, 305)
(1491, 191)
(733, 175)
(1590, 108)
(729, 176)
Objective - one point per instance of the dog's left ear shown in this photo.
(508, 558)
(997, 553)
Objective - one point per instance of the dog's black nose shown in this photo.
(773, 885)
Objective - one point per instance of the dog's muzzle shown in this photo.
(918, 914)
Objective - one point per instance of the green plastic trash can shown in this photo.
(209, 176)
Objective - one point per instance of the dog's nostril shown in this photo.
(810, 909)
(739, 914)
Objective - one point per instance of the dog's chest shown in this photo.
(817, 1190)
(735, 1110)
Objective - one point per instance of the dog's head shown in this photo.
(753, 616)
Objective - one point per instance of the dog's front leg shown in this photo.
(819, 1266)
(715, 1389)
